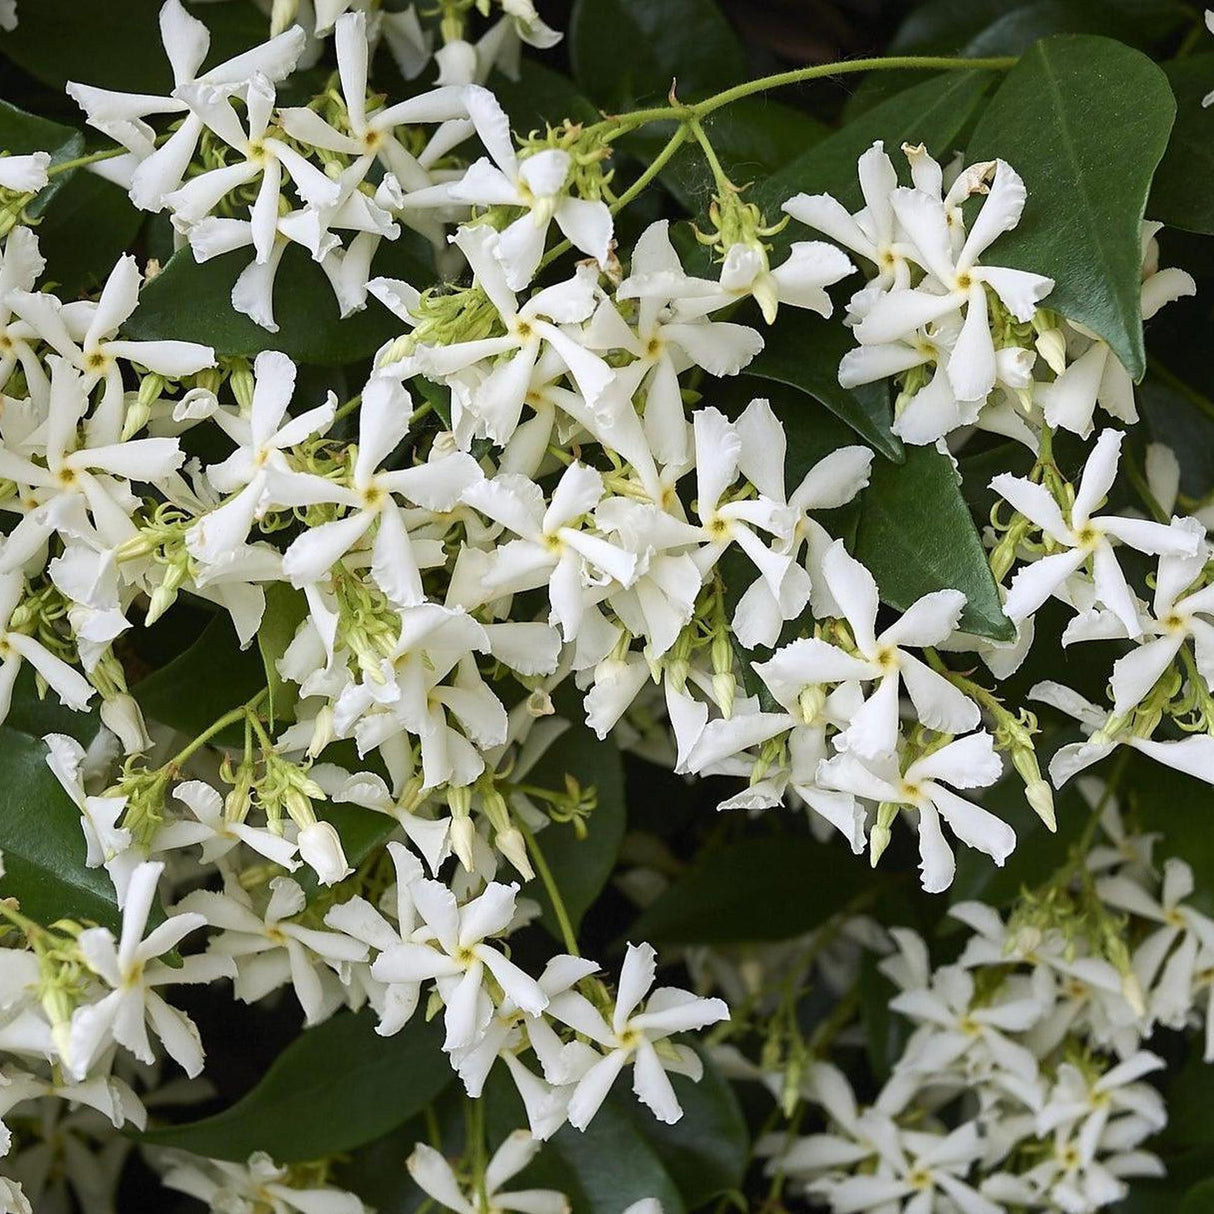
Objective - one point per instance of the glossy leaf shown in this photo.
(1182, 194)
(803, 350)
(211, 677)
(627, 51)
(728, 895)
(40, 835)
(118, 45)
(90, 226)
(580, 866)
(336, 1086)
(189, 301)
(22, 133)
(1084, 120)
(286, 609)
(916, 535)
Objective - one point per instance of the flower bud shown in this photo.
(320, 848)
(121, 716)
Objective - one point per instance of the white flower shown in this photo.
(451, 946)
(884, 658)
(968, 762)
(262, 437)
(154, 172)
(16, 648)
(537, 183)
(1176, 618)
(435, 1177)
(371, 497)
(634, 1037)
(1193, 755)
(551, 549)
(129, 967)
(320, 848)
(1096, 376)
(24, 174)
(268, 949)
(956, 282)
(216, 834)
(1086, 538)
(256, 1185)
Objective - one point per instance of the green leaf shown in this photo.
(916, 535)
(189, 301)
(580, 866)
(934, 112)
(117, 45)
(1182, 194)
(803, 350)
(210, 678)
(286, 609)
(22, 133)
(336, 1086)
(1084, 120)
(1199, 1199)
(980, 28)
(40, 834)
(90, 226)
(727, 897)
(627, 51)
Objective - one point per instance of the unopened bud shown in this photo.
(462, 835)
(320, 848)
(513, 846)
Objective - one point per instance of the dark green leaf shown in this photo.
(934, 113)
(189, 301)
(91, 224)
(981, 28)
(626, 51)
(727, 897)
(1084, 120)
(804, 350)
(916, 535)
(22, 133)
(210, 678)
(1200, 1198)
(580, 866)
(1182, 194)
(40, 834)
(335, 1087)
(286, 608)
(117, 45)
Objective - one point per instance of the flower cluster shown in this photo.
(542, 513)
(1022, 1081)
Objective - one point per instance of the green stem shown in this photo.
(228, 718)
(718, 172)
(929, 63)
(1143, 489)
(659, 163)
(554, 894)
(64, 165)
